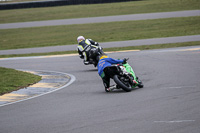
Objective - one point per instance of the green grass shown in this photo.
(11, 80)
(143, 47)
(100, 32)
(94, 10)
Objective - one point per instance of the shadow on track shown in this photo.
(91, 70)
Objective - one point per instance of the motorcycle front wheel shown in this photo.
(123, 84)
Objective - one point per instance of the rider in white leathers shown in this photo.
(85, 48)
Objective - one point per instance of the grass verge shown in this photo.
(11, 80)
(143, 47)
(94, 10)
(100, 32)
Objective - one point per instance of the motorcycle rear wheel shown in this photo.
(125, 86)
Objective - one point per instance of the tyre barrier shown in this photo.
(50, 3)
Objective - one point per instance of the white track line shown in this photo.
(176, 121)
(73, 78)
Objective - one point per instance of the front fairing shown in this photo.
(130, 70)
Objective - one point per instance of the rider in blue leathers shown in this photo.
(104, 62)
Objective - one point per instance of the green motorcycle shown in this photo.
(124, 76)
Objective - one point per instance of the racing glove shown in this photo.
(124, 60)
(96, 43)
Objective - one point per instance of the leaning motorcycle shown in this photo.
(94, 55)
(124, 77)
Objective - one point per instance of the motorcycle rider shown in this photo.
(86, 48)
(104, 62)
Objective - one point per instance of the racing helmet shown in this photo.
(103, 56)
(79, 38)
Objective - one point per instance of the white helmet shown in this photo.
(80, 38)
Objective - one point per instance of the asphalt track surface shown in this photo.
(142, 16)
(152, 41)
(169, 102)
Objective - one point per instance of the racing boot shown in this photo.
(112, 87)
(107, 89)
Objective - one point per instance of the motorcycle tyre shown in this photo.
(121, 84)
(140, 84)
